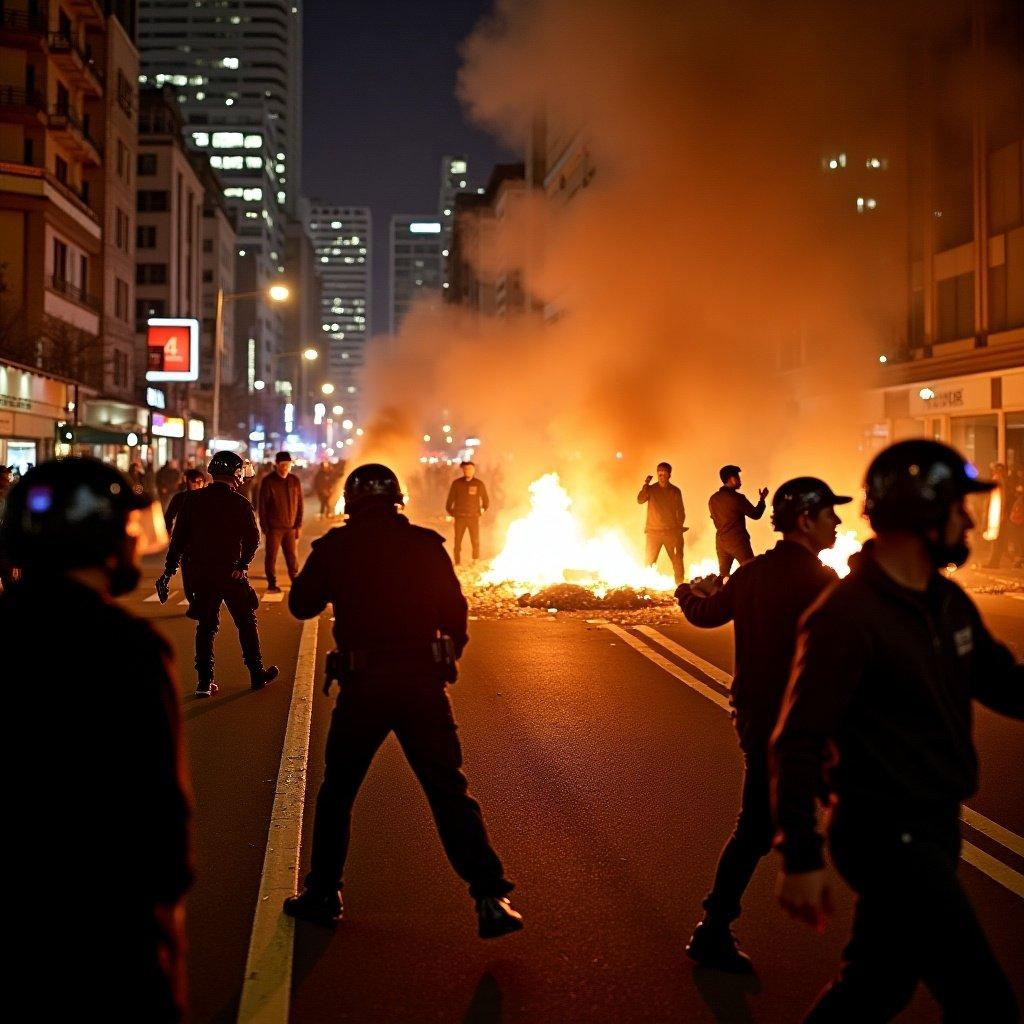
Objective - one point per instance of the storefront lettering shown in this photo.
(12, 402)
(951, 399)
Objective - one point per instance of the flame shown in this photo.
(704, 567)
(548, 546)
(995, 510)
(838, 556)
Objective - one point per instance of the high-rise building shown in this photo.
(238, 71)
(342, 241)
(454, 182)
(416, 263)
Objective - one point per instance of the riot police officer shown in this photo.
(215, 537)
(111, 811)
(887, 665)
(400, 624)
(764, 599)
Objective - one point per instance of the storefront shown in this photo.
(31, 406)
(112, 431)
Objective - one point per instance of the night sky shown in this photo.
(380, 109)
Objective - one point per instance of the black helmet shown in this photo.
(69, 513)
(912, 484)
(799, 495)
(372, 483)
(227, 464)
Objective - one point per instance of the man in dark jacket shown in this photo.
(280, 504)
(168, 480)
(215, 538)
(764, 600)
(729, 512)
(195, 480)
(112, 808)
(888, 663)
(666, 517)
(400, 623)
(467, 500)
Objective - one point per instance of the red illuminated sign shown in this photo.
(172, 347)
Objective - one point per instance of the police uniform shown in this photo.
(216, 537)
(882, 688)
(393, 591)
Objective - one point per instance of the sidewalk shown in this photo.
(977, 578)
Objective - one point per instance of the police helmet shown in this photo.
(225, 465)
(372, 483)
(75, 512)
(911, 485)
(799, 495)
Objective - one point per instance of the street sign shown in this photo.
(172, 348)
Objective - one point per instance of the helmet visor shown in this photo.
(148, 528)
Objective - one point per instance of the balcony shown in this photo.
(18, 106)
(75, 294)
(21, 30)
(90, 11)
(69, 128)
(76, 63)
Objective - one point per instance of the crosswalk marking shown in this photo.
(978, 858)
(272, 598)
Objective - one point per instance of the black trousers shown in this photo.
(242, 602)
(462, 524)
(732, 549)
(417, 710)
(275, 540)
(912, 923)
(750, 841)
(672, 542)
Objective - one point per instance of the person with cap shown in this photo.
(280, 509)
(879, 704)
(467, 501)
(108, 820)
(400, 624)
(215, 538)
(195, 480)
(729, 512)
(764, 599)
(666, 518)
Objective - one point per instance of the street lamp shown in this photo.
(311, 354)
(327, 389)
(276, 293)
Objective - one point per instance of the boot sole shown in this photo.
(498, 931)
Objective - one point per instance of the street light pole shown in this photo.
(218, 353)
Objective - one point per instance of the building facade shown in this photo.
(303, 376)
(454, 183)
(416, 264)
(343, 244)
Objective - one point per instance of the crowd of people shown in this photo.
(855, 694)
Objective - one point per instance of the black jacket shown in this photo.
(729, 510)
(392, 585)
(466, 498)
(173, 508)
(665, 509)
(765, 599)
(280, 502)
(886, 675)
(215, 532)
(108, 800)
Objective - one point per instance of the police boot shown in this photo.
(325, 909)
(713, 945)
(260, 677)
(206, 688)
(497, 917)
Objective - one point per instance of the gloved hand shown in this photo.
(239, 574)
(706, 586)
(163, 587)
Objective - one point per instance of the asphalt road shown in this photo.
(608, 785)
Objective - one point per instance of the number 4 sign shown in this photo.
(172, 347)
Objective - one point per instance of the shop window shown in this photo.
(1015, 439)
(977, 437)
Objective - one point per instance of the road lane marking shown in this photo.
(272, 598)
(670, 667)
(1001, 835)
(713, 671)
(984, 862)
(995, 869)
(267, 987)
(155, 598)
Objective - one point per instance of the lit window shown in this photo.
(877, 163)
(230, 62)
(334, 223)
(229, 102)
(233, 192)
(200, 95)
(227, 140)
(458, 167)
(232, 163)
(251, 195)
(835, 163)
(201, 138)
(864, 204)
(254, 163)
(280, 197)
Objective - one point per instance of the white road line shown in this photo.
(687, 655)
(266, 990)
(155, 598)
(272, 598)
(184, 604)
(994, 868)
(670, 667)
(1015, 597)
